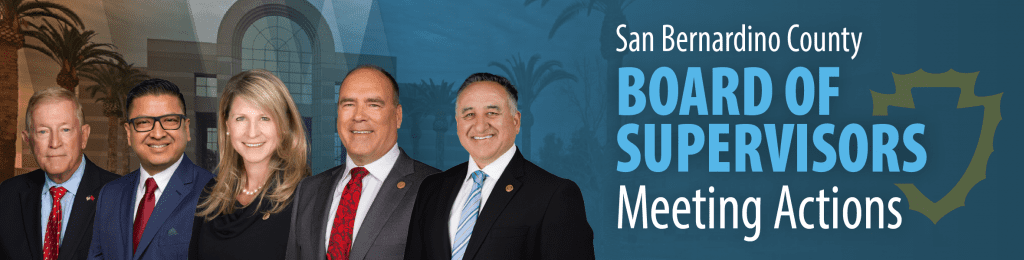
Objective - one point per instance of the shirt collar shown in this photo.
(496, 168)
(71, 184)
(161, 178)
(380, 168)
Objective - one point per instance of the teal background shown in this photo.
(451, 39)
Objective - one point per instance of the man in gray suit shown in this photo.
(361, 209)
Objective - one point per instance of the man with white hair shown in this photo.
(48, 213)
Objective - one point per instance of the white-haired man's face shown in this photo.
(57, 138)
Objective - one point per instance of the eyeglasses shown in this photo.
(167, 122)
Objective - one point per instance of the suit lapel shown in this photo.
(443, 201)
(322, 209)
(82, 212)
(496, 203)
(388, 198)
(179, 185)
(31, 197)
(128, 213)
(449, 190)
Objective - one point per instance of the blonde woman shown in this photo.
(244, 213)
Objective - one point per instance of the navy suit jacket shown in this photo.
(20, 236)
(169, 228)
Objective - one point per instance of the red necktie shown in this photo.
(345, 216)
(52, 246)
(142, 214)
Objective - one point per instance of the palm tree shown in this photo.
(15, 18)
(439, 100)
(415, 110)
(530, 78)
(73, 49)
(614, 15)
(113, 82)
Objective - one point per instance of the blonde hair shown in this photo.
(287, 164)
(52, 94)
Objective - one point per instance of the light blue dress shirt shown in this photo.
(66, 202)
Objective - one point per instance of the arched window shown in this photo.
(279, 45)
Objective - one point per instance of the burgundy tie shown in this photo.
(341, 234)
(53, 224)
(142, 215)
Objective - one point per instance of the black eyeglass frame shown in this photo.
(157, 120)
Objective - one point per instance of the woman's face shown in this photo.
(252, 132)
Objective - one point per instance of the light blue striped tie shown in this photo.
(468, 218)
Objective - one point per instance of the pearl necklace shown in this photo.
(253, 192)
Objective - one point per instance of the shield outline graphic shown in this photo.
(979, 162)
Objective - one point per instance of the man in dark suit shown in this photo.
(148, 213)
(361, 209)
(47, 213)
(498, 205)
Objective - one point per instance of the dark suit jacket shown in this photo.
(169, 228)
(542, 217)
(383, 232)
(20, 209)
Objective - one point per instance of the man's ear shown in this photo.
(188, 135)
(399, 116)
(27, 139)
(86, 130)
(128, 130)
(517, 118)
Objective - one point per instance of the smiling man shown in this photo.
(497, 205)
(148, 213)
(361, 209)
(48, 213)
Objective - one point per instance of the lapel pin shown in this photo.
(401, 185)
(508, 188)
(172, 232)
(90, 198)
(266, 216)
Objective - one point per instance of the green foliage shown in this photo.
(113, 82)
(71, 47)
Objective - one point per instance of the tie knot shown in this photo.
(358, 173)
(58, 192)
(151, 185)
(479, 176)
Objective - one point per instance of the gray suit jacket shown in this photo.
(383, 232)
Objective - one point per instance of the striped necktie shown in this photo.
(468, 218)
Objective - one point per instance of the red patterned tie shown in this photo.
(341, 233)
(52, 246)
(142, 214)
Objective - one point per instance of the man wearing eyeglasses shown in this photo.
(148, 213)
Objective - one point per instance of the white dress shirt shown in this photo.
(493, 171)
(372, 182)
(161, 178)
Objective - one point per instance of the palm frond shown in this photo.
(33, 7)
(567, 14)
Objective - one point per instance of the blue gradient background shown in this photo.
(448, 40)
